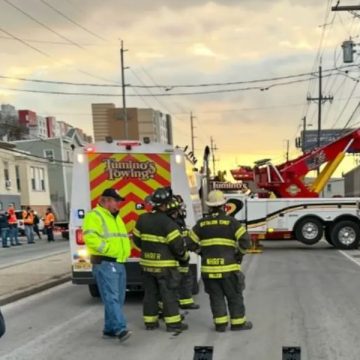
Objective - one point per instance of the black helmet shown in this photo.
(173, 205)
(161, 196)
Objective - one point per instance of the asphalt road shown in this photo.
(28, 252)
(295, 296)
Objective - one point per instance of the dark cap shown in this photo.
(113, 194)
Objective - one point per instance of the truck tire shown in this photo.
(327, 235)
(94, 291)
(309, 231)
(346, 235)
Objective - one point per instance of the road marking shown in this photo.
(349, 257)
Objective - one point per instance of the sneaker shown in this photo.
(246, 326)
(152, 326)
(177, 328)
(221, 328)
(192, 306)
(109, 335)
(124, 335)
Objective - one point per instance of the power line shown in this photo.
(24, 42)
(42, 24)
(48, 41)
(164, 94)
(71, 20)
(143, 86)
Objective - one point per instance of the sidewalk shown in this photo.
(21, 280)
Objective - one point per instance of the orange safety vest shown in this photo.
(28, 218)
(49, 219)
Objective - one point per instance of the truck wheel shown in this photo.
(346, 235)
(309, 231)
(94, 291)
(327, 235)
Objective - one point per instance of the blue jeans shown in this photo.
(29, 233)
(4, 236)
(14, 234)
(111, 281)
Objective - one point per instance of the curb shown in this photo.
(25, 292)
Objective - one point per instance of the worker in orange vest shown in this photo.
(12, 220)
(49, 224)
(28, 219)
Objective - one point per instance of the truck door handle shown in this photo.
(281, 214)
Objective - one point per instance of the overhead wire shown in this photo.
(55, 9)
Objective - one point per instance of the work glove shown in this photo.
(185, 260)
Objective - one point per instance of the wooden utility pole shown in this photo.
(304, 134)
(192, 133)
(213, 149)
(320, 100)
(123, 86)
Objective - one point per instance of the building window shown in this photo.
(42, 179)
(1, 206)
(17, 172)
(6, 171)
(49, 154)
(37, 178)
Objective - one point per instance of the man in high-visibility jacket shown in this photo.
(28, 219)
(109, 246)
(223, 242)
(49, 224)
(162, 246)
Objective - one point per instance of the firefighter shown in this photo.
(162, 246)
(109, 247)
(177, 211)
(223, 242)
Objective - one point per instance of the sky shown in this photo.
(186, 42)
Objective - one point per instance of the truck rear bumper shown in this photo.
(133, 274)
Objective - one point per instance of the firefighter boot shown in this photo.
(221, 328)
(152, 326)
(177, 327)
(245, 326)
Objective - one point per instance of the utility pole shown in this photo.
(123, 86)
(287, 149)
(320, 100)
(213, 149)
(192, 133)
(304, 136)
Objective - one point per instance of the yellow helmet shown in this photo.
(215, 198)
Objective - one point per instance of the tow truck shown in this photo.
(291, 209)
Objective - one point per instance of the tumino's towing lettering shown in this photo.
(143, 170)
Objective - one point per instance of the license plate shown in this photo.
(82, 266)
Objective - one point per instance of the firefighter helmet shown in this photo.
(215, 198)
(161, 196)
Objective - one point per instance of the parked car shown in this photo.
(21, 225)
(2, 324)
